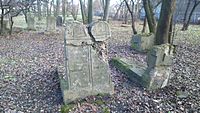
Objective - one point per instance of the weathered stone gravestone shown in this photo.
(6, 25)
(51, 23)
(159, 62)
(143, 43)
(155, 74)
(87, 73)
(59, 21)
(100, 30)
(30, 22)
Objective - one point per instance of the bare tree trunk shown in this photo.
(106, 10)
(150, 16)
(144, 25)
(132, 16)
(126, 16)
(11, 25)
(2, 17)
(63, 9)
(57, 8)
(39, 10)
(90, 11)
(186, 11)
(117, 12)
(83, 12)
(162, 33)
(186, 24)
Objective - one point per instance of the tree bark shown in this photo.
(83, 12)
(39, 10)
(132, 16)
(2, 17)
(150, 16)
(186, 23)
(186, 11)
(117, 12)
(106, 10)
(63, 9)
(162, 33)
(57, 8)
(144, 25)
(90, 11)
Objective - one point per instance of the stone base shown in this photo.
(161, 55)
(70, 95)
(142, 43)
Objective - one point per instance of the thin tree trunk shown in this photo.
(132, 16)
(2, 17)
(63, 9)
(162, 33)
(117, 12)
(90, 11)
(57, 8)
(39, 10)
(186, 25)
(82, 12)
(186, 11)
(106, 11)
(150, 16)
(144, 25)
(11, 25)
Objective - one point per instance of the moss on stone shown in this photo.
(126, 69)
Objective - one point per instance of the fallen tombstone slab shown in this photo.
(155, 74)
(87, 73)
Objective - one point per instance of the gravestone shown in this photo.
(159, 61)
(30, 21)
(6, 26)
(100, 30)
(87, 73)
(51, 23)
(59, 21)
(143, 43)
(155, 74)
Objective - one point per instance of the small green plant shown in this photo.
(66, 108)
(106, 110)
(99, 102)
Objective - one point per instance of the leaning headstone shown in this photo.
(87, 73)
(155, 74)
(30, 21)
(51, 23)
(143, 43)
(59, 21)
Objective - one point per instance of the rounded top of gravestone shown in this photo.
(77, 34)
(100, 30)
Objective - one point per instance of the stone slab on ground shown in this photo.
(142, 43)
(131, 68)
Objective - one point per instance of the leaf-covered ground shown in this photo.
(30, 63)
